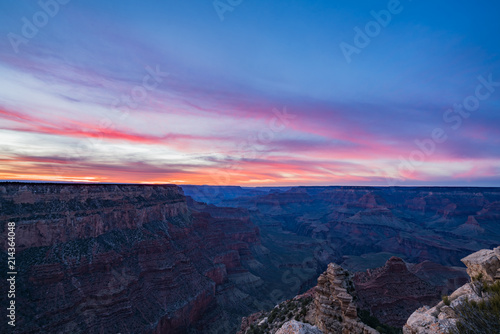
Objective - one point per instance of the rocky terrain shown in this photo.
(301, 308)
(335, 307)
(327, 308)
(483, 268)
(354, 304)
(126, 259)
(149, 259)
(294, 326)
(344, 302)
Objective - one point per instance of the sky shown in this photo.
(251, 93)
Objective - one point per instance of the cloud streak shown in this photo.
(71, 107)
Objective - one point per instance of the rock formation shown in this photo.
(335, 309)
(125, 259)
(343, 301)
(484, 268)
(329, 308)
(485, 264)
(299, 310)
(296, 327)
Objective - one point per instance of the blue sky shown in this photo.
(209, 120)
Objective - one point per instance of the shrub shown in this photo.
(481, 317)
(446, 300)
(306, 301)
(373, 322)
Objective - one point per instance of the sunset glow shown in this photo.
(169, 93)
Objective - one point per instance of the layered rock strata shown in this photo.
(335, 309)
(484, 268)
(122, 259)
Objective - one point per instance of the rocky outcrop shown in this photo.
(335, 310)
(484, 264)
(125, 259)
(439, 319)
(483, 267)
(296, 327)
(344, 303)
(329, 308)
(298, 310)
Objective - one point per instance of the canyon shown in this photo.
(337, 304)
(368, 225)
(122, 258)
(125, 259)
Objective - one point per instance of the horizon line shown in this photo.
(220, 185)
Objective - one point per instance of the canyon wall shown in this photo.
(148, 259)
(123, 259)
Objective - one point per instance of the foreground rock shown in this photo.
(335, 309)
(330, 307)
(379, 298)
(301, 309)
(483, 267)
(296, 327)
(485, 264)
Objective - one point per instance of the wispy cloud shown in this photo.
(67, 108)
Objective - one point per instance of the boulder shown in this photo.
(441, 318)
(296, 327)
(484, 263)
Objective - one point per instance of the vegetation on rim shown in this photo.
(480, 317)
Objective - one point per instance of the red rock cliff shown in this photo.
(117, 258)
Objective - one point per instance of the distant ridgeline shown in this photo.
(440, 224)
